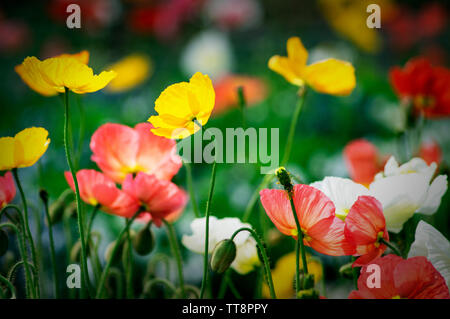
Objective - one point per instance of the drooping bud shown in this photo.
(284, 179)
(308, 294)
(4, 241)
(57, 208)
(306, 281)
(223, 255)
(43, 194)
(144, 241)
(346, 271)
(71, 210)
(118, 254)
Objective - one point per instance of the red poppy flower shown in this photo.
(364, 227)
(255, 90)
(413, 278)
(426, 86)
(119, 150)
(161, 199)
(96, 188)
(363, 161)
(7, 189)
(322, 230)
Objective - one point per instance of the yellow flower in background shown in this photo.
(184, 107)
(283, 275)
(30, 73)
(53, 75)
(349, 18)
(24, 149)
(131, 71)
(329, 76)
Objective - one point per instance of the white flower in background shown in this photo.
(430, 243)
(208, 53)
(219, 229)
(343, 192)
(404, 190)
(234, 14)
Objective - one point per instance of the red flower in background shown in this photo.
(14, 34)
(413, 278)
(161, 199)
(363, 161)
(427, 87)
(365, 225)
(164, 19)
(255, 90)
(119, 150)
(98, 189)
(322, 230)
(7, 189)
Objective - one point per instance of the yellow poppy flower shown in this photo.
(330, 76)
(283, 275)
(53, 75)
(184, 107)
(131, 71)
(24, 149)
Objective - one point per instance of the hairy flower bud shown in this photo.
(346, 270)
(308, 294)
(284, 179)
(223, 255)
(144, 241)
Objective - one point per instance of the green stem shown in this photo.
(9, 285)
(52, 250)
(129, 268)
(28, 233)
(355, 274)
(262, 249)
(84, 267)
(80, 131)
(394, 249)
(251, 204)
(101, 285)
(299, 248)
(242, 104)
(208, 207)
(295, 116)
(190, 186)
(22, 248)
(177, 254)
(91, 220)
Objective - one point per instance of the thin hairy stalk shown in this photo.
(177, 254)
(262, 249)
(392, 247)
(190, 186)
(9, 285)
(208, 207)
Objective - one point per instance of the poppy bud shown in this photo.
(284, 179)
(308, 294)
(43, 194)
(223, 255)
(346, 271)
(306, 281)
(3, 242)
(144, 241)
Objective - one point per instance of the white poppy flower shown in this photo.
(220, 229)
(209, 53)
(404, 190)
(430, 243)
(343, 192)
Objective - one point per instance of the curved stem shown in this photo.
(394, 249)
(262, 249)
(84, 267)
(208, 207)
(177, 254)
(22, 248)
(101, 285)
(190, 187)
(9, 285)
(149, 285)
(91, 220)
(52, 250)
(26, 226)
(295, 116)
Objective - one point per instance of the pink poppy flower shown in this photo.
(161, 199)
(364, 227)
(322, 230)
(413, 278)
(96, 188)
(7, 189)
(119, 150)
